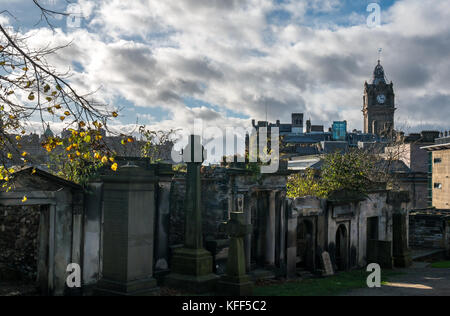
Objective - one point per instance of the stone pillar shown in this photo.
(128, 232)
(291, 242)
(244, 206)
(282, 229)
(270, 232)
(165, 174)
(401, 253)
(236, 282)
(192, 265)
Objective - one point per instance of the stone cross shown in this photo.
(194, 155)
(236, 282)
(192, 265)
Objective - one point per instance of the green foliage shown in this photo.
(156, 143)
(350, 171)
(306, 184)
(78, 157)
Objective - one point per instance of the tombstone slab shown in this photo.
(128, 232)
(327, 265)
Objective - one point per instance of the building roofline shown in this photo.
(436, 147)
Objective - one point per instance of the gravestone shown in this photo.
(128, 232)
(236, 282)
(327, 265)
(192, 265)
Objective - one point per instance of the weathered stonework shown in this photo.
(19, 226)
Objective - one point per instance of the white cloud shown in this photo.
(155, 54)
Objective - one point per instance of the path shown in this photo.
(419, 280)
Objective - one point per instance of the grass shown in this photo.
(441, 265)
(328, 286)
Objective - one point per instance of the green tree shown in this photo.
(352, 171)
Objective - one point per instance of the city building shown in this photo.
(439, 166)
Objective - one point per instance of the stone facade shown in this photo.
(352, 230)
(59, 237)
(19, 229)
(439, 166)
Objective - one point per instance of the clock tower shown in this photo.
(379, 105)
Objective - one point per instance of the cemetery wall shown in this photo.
(19, 227)
(215, 204)
(427, 230)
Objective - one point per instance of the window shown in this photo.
(437, 160)
(438, 185)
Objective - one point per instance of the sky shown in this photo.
(164, 63)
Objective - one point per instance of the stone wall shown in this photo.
(215, 199)
(428, 230)
(19, 242)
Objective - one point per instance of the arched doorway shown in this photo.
(342, 248)
(305, 245)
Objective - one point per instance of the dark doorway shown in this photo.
(305, 245)
(342, 248)
(372, 229)
(259, 224)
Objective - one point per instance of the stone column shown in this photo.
(192, 265)
(128, 232)
(165, 174)
(401, 253)
(291, 242)
(270, 232)
(236, 282)
(248, 237)
(282, 229)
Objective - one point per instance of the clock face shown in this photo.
(381, 98)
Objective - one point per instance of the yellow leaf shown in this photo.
(114, 166)
(10, 156)
(18, 137)
(67, 113)
(105, 159)
(34, 171)
(31, 96)
(114, 114)
(24, 154)
(24, 199)
(62, 118)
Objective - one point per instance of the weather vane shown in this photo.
(379, 53)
